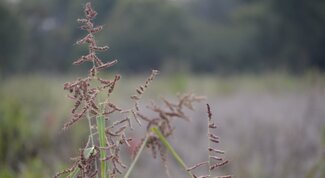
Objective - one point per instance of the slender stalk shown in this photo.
(127, 174)
(209, 146)
(91, 136)
(102, 143)
(170, 149)
(74, 173)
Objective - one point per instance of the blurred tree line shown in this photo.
(223, 36)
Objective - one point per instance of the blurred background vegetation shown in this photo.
(261, 63)
(223, 36)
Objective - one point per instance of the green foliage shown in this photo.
(207, 35)
(318, 169)
(12, 37)
(34, 168)
(145, 32)
(178, 82)
(18, 143)
(14, 131)
(6, 172)
(30, 114)
(40, 95)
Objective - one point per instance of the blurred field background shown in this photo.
(260, 62)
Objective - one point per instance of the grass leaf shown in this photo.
(170, 149)
(127, 174)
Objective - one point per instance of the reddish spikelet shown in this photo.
(96, 29)
(103, 81)
(112, 86)
(97, 48)
(107, 65)
(89, 12)
(215, 158)
(215, 150)
(197, 165)
(209, 112)
(227, 176)
(206, 176)
(82, 20)
(218, 165)
(83, 59)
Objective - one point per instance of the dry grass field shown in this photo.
(270, 125)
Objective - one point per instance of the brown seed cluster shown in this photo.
(163, 121)
(84, 95)
(141, 89)
(81, 91)
(84, 92)
(214, 161)
(171, 111)
(84, 163)
(89, 39)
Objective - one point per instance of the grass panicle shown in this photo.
(108, 135)
(214, 161)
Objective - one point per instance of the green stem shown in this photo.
(136, 157)
(170, 149)
(102, 143)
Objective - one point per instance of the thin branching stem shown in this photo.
(91, 135)
(74, 173)
(127, 174)
(209, 146)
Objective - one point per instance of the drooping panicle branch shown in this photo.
(214, 161)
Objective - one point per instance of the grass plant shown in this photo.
(101, 156)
